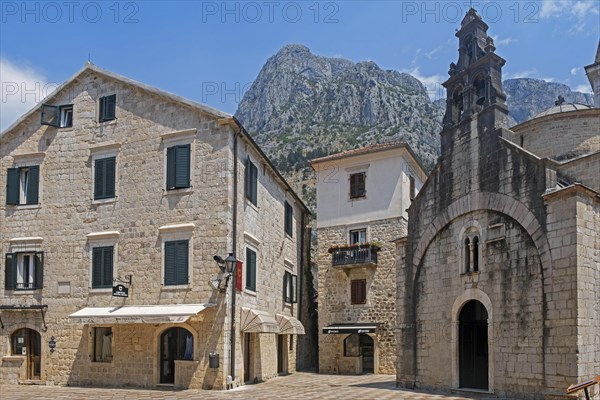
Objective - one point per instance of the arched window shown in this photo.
(475, 254)
(467, 255)
(175, 344)
(480, 95)
(457, 105)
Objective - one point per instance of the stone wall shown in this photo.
(145, 125)
(334, 295)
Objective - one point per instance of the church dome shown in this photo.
(565, 107)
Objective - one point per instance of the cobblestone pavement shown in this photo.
(294, 386)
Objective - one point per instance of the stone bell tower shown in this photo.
(475, 110)
(593, 73)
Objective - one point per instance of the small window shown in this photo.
(358, 236)
(176, 262)
(108, 108)
(178, 167)
(57, 116)
(358, 291)
(250, 269)
(24, 271)
(290, 288)
(22, 185)
(467, 252)
(102, 344)
(104, 178)
(289, 219)
(102, 267)
(357, 185)
(475, 254)
(251, 181)
(413, 188)
(352, 345)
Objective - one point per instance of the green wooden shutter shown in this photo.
(289, 213)
(109, 176)
(10, 271)
(254, 183)
(182, 166)
(50, 115)
(247, 178)
(96, 267)
(99, 179)
(285, 283)
(182, 268)
(107, 107)
(171, 163)
(294, 288)
(250, 269)
(12, 186)
(107, 266)
(33, 187)
(39, 270)
(170, 263)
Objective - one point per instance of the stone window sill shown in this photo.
(25, 206)
(177, 287)
(105, 201)
(182, 191)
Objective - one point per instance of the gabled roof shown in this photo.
(223, 117)
(368, 150)
(91, 67)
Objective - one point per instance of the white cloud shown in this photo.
(22, 87)
(503, 42)
(579, 9)
(430, 54)
(433, 83)
(583, 89)
(575, 70)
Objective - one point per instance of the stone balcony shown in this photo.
(362, 255)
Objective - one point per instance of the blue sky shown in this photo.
(211, 51)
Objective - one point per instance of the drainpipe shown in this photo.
(234, 248)
(301, 273)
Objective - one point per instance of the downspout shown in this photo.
(300, 286)
(234, 249)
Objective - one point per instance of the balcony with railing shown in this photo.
(362, 255)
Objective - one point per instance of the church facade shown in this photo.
(499, 275)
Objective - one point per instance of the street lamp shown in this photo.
(230, 265)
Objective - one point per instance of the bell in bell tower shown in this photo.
(475, 82)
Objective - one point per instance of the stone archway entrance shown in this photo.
(473, 346)
(27, 342)
(175, 344)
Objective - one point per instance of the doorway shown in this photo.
(247, 356)
(282, 354)
(473, 346)
(27, 342)
(367, 351)
(175, 344)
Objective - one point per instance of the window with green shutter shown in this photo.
(24, 271)
(108, 106)
(290, 283)
(102, 267)
(250, 269)
(104, 178)
(251, 181)
(178, 167)
(176, 263)
(23, 185)
(289, 219)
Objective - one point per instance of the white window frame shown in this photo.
(105, 150)
(22, 269)
(254, 248)
(25, 161)
(179, 138)
(102, 239)
(174, 232)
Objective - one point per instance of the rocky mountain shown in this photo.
(528, 97)
(303, 106)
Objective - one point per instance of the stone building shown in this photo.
(362, 197)
(112, 182)
(499, 275)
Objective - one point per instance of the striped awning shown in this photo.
(289, 325)
(257, 321)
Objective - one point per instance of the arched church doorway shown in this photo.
(473, 346)
(27, 342)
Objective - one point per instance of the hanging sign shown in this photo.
(120, 291)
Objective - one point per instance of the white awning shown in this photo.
(257, 321)
(289, 325)
(169, 313)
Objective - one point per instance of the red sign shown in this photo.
(238, 276)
